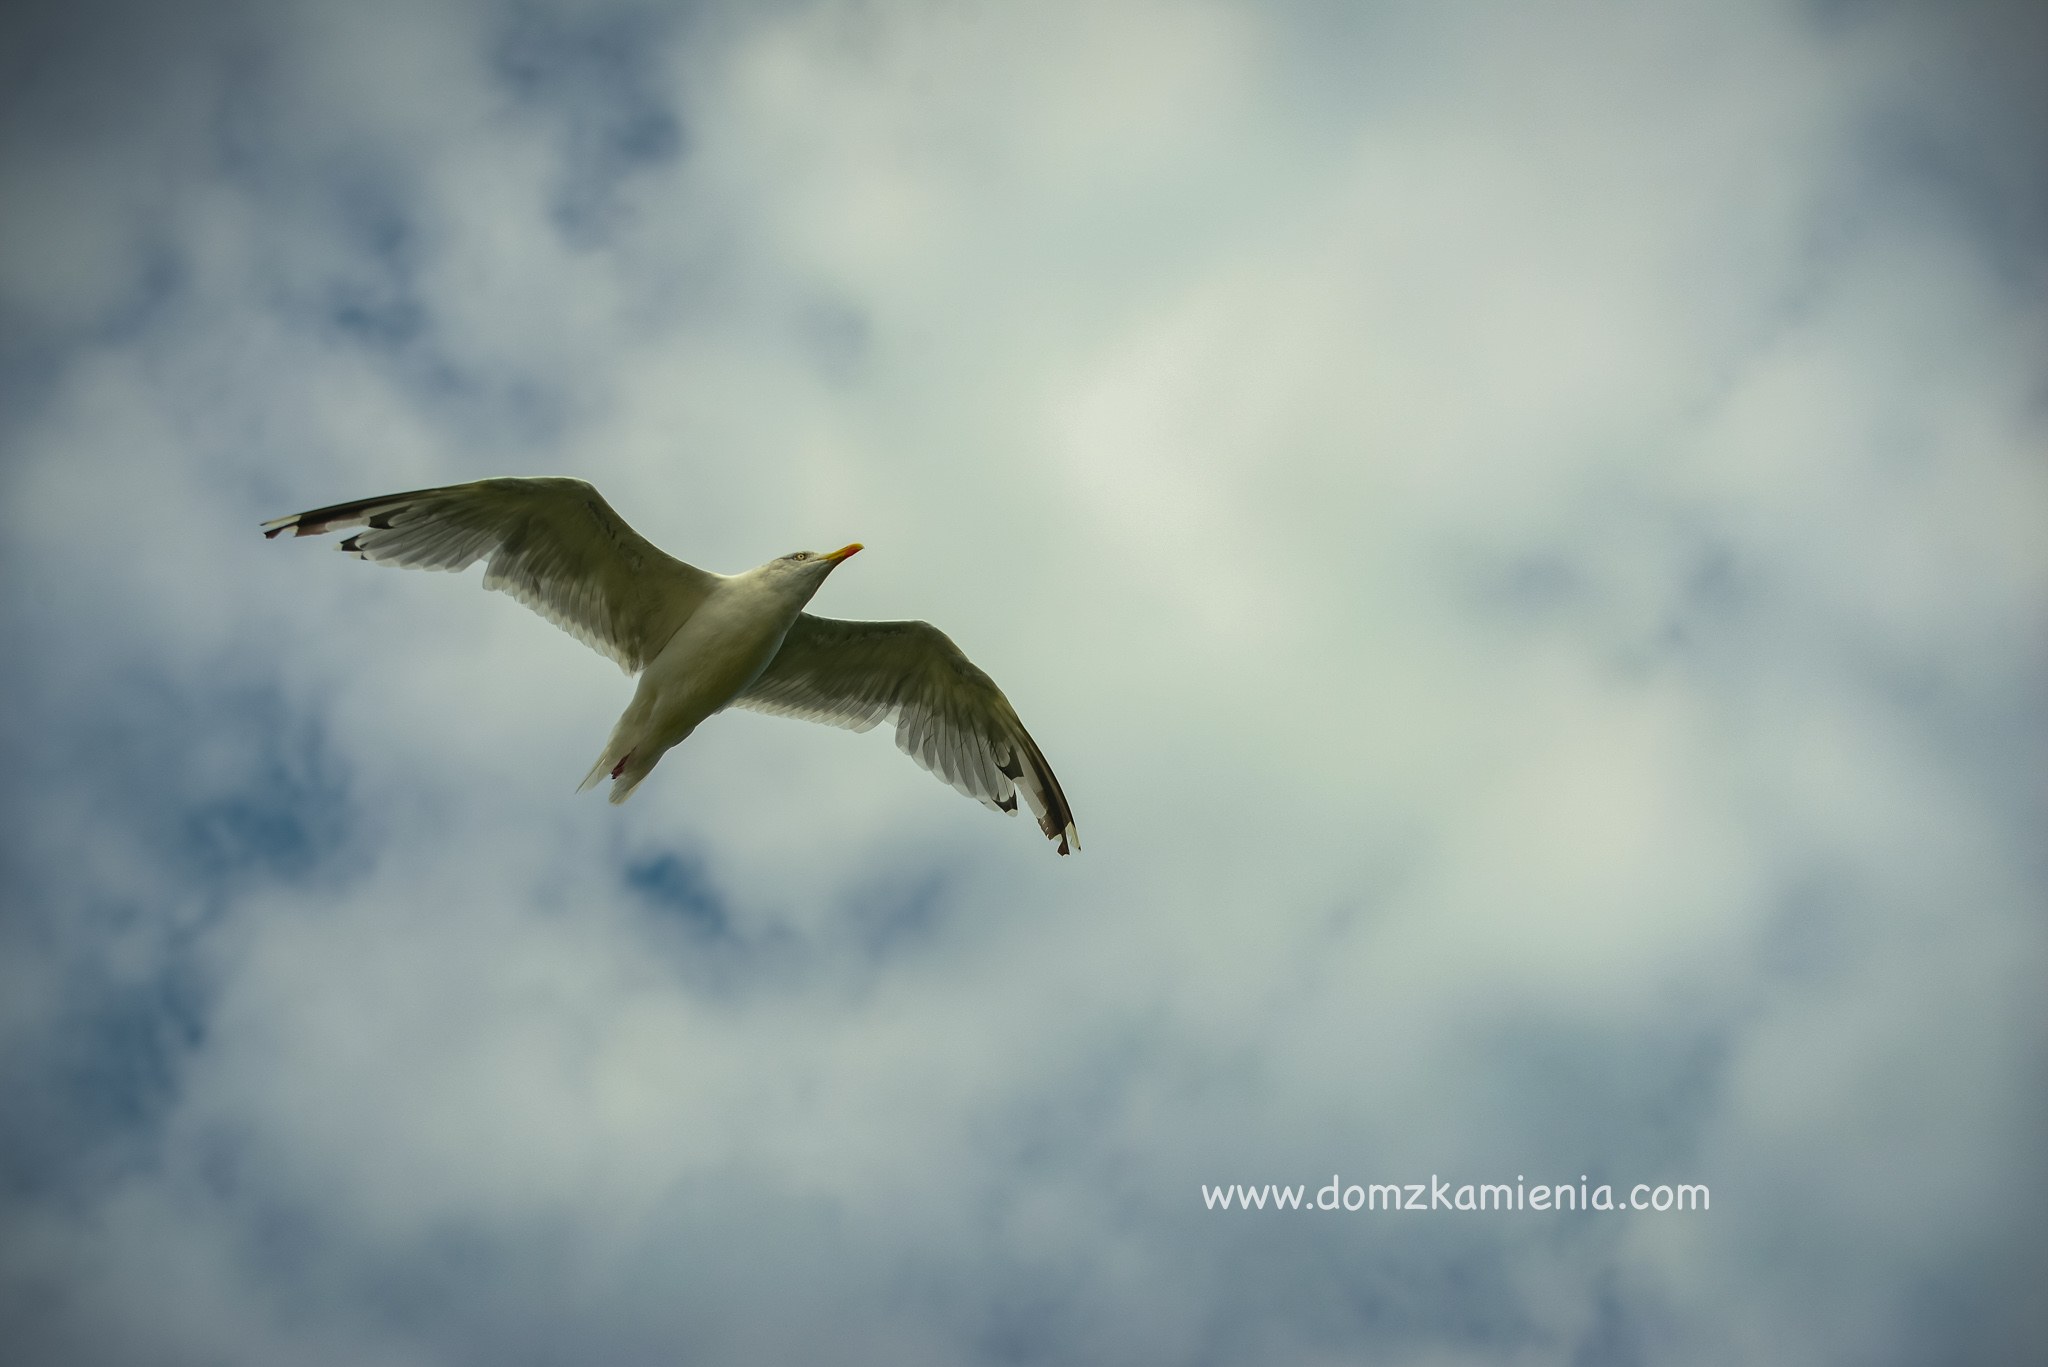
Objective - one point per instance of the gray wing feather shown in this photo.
(950, 717)
(553, 544)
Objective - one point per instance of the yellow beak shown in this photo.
(843, 552)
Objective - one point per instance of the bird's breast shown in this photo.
(724, 647)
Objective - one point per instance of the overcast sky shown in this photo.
(1523, 531)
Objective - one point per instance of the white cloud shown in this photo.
(1522, 539)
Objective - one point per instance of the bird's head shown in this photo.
(803, 571)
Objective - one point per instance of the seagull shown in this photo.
(702, 642)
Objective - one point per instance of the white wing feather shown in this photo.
(950, 716)
(553, 544)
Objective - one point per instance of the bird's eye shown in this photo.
(801, 555)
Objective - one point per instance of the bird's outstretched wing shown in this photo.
(950, 717)
(554, 544)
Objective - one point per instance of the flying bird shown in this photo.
(702, 642)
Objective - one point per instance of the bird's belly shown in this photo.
(710, 660)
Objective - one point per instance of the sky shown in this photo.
(1523, 531)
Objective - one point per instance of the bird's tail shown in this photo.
(624, 782)
(615, 761)
(597, 771)
(625, 760)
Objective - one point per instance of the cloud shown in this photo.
(1521, 535)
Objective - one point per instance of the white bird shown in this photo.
(702, 642)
